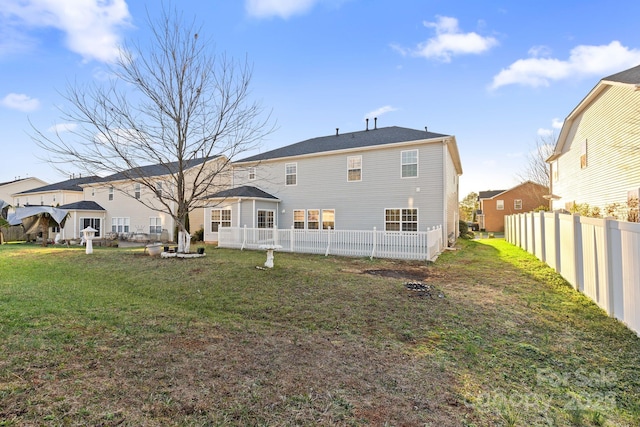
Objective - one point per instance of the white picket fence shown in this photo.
(419, 245)
(599, 257)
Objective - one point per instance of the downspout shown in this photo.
(253, 225)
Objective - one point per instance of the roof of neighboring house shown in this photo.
(84, 205)
(68, 185)
(158, 169)
(493, 193)
(629, 78)
(245, 191)
(20, 179)
(489, 194)
(348, 140)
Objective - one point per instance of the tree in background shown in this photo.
(537, 169)
(468, 206)
(172, 101)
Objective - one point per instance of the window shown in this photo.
(328, 219)
(401, 219)
(17, 202)
(159, 189)
(155, 225)
(119, 225)
(554, 168)
(409, 164)
(220, 218)
(500, 205)
(110, 193)
(41, 200)
(313, 219)
(354, 168)
(93, 192)
(91, 222)
(265, 219)
(298, 219)
(54, 198)
(291, 173)
(252, 174)
(136, 190)
(517, 204)
(583, 155)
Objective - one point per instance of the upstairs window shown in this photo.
(517, 204)
(252, 174)
(159, 189)
(583, 155)
(136, 191)
(500, 205)
(110, 193)
(409, 163)
(354, 168)
(291, 173)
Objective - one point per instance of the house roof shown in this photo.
(83, 205)
(245, 192)
(11, 182)
(345, 141)
(489, 194)
(68, 185)
(150, 171)
(493, 193)
(629, 78)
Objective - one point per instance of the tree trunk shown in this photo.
(44, 227)
(184, 242)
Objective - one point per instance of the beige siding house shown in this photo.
(392, 178)
(596, 160)
(9, 188)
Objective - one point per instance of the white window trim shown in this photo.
(515, 204)
(304, 219)
(354, 169)
(322, 211)
(416, 163)
(101, 228)
(158, 223)
(111, 193)
(417, 221)
(221, 221)
(498, 202)
(258, 217)
(319, 222)
(252, 173)
(286, 165)
(126, 224)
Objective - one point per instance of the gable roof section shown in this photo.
(68, 185)
(489, 194)
(150, 171)
(242, 192)
(492, 194)
(629, 78)
(345, 141)
(84, 205)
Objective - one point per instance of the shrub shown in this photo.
(198, 235)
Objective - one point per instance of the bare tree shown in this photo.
(170, 102)
(537, 169)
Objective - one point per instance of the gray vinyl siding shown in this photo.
(359, 205)
(611, 127)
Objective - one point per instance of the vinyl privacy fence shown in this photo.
(419, 245)
(599, 257)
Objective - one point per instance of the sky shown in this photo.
(500, 76)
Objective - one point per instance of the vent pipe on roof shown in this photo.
(367, 124)
(375, 123)
(337, 129)
(425, 129)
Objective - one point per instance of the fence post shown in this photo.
(556, 240)
(328, 241)
(275, 233)
(244, 237)
(293, 237)
(543, 247)
(577, 248)
(375, 237)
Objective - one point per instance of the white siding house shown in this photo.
(392, 178)
(596, 160)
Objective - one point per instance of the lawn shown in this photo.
(487, 335)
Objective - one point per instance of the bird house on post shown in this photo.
(89, 233)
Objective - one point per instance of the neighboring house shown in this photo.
(59, 193)
(118, 203)
(8, 189)
(596, 160)
(392, 178)
(495, 204)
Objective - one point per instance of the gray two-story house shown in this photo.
(391, 178)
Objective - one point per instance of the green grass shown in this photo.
(121, 338)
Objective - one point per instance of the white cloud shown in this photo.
(20, 102)
(282, 8)
(91, 27)
(379, 111)
(449, 41)
(583, 61)
(63, 127)
(557, 123)
(545, 133)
